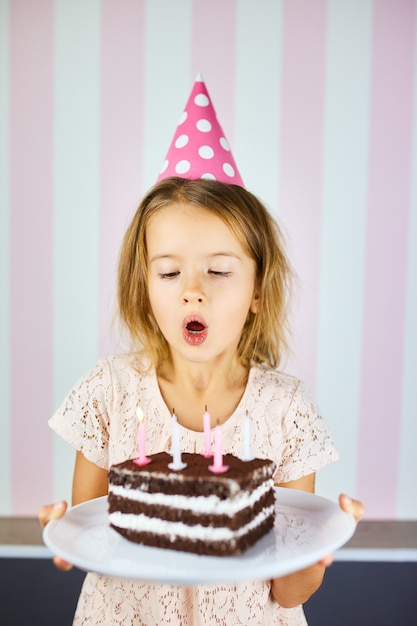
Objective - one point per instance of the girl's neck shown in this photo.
(200, 378)
(189, 388)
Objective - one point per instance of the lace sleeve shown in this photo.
(83, 418)
(307, 444)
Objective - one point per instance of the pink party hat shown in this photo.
(199, 148)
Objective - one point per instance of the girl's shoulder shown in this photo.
(271, 386)
(127, 364)
(119, 371)
(264, 376)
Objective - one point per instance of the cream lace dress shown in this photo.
(98, 418)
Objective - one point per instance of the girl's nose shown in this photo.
(189, 298)
(193, 292)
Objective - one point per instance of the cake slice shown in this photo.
(193, 510)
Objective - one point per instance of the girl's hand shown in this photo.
(47, 513)
(355, 508)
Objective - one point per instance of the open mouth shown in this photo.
(194, 330)
(195, 327)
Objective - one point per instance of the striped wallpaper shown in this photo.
(318, 99)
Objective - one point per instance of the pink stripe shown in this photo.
(386, 252)
(300, 174)
(213, 54)
(31, 37)
(122, 59)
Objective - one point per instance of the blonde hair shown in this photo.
(265, 333)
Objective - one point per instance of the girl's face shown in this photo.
(201, 282)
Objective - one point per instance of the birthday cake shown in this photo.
(194, 509)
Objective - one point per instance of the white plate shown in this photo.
(307, 528)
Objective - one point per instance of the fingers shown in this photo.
(327, 560)
(61, 564)
(49, 512)
(355, 507)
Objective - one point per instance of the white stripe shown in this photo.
(348, 75)
(258, 63)
(407, 471)
(168, 79)
(198, 504)
(5, 483)
(388, 555)
(142, 523)
(76, 190)
(24, 552)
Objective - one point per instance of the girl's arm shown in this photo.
(89, 481)
(296, 588)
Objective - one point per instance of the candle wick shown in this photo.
(206, 407)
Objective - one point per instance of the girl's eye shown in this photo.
(168, 275)
(220, 274)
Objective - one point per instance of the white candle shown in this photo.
(177, 463)
(142, 459)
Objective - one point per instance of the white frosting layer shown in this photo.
(143, 523)
(199, 504)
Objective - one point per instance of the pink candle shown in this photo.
(142, 458)
(207, 435)
(218, 467)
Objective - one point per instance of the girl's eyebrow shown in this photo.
(157, 257)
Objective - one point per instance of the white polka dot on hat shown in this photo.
(199, 148)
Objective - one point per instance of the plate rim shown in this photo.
(285, 501)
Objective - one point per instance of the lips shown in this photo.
(194, 330)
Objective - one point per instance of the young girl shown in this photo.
(203, 285)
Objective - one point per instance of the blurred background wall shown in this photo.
(318, 99)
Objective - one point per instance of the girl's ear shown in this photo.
(254, 307)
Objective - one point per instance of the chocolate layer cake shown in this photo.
(193, 509)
